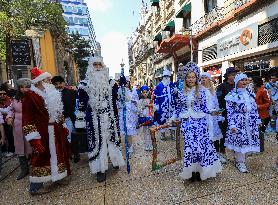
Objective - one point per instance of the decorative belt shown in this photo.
(102, 111)
(51, 123)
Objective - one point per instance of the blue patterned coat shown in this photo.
(164, 103)
(242, 115)
(199, 152)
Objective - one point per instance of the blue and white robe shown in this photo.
(164, 103)
(131, 99)
(97, 116)
(243, 115)
(199, 151)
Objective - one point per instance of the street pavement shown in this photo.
(144, 186)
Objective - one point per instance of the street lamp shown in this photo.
(122, 63)
(183, 30)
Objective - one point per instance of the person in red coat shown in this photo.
(262, 100)
(45, 130)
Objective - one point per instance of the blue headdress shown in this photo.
(192, 67)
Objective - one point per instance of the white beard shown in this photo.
(165, 81)
(98, 88)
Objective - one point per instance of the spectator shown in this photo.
(222, 90)
(14, 119)
(8, 89)
(262, 100)
(2, 139)
(69, 101)
(5, 103)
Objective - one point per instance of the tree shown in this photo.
(17, 16)
(81, 49)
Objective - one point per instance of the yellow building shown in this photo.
(48, 54)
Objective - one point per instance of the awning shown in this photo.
(158, 37)
(169, 26)
(175, 43)
(185, 10)
(154, 2)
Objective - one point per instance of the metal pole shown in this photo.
(191, 46)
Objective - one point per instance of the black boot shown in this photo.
(23, 161)
(193, 178)
(76, 158)
(198, 178)
(101, 177)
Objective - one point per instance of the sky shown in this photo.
(114, 21)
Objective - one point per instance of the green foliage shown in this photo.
(81, 49)
(17, 16)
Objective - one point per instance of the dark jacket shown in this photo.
(222, 90)
(69, 100)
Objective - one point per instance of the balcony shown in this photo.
(223, 15)
(208, 20)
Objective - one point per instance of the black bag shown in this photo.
(79, 142)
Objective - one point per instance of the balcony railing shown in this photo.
(216, 15)
(240, 3)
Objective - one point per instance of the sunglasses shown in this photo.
(95, 64)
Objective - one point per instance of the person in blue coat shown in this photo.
(164, 102)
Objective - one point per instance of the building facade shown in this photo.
(239, 33)
(216, 34)
(77, 16)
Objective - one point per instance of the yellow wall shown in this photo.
(48, 54)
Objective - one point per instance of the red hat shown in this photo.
(38, 75)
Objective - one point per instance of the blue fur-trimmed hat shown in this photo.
(145, 87)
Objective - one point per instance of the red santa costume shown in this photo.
(44, 128)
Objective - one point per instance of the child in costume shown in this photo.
(200, 157)
(131, 99)
(243, 121)
(145, 116)
(206, 81)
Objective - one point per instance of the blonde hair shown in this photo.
(197, 88)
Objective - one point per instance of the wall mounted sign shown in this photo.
(238, 41)
(21, 52)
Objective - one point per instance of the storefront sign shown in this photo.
(238, 41)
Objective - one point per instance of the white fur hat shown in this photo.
(207, 75)
(239, 77)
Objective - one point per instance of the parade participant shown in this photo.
(145, 116)
(164, 104)
(131, 99)
(45, 130)
(243, 122)
(206, 81)
(95, 112)
(200, 157)
(222, 90)
(180, 77)
(14, 119)
(5, 103)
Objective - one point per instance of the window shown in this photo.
(187, 21)
(210, 5)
